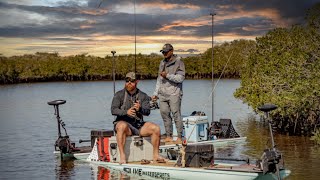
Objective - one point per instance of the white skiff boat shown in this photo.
(189, 161)
(170, 170)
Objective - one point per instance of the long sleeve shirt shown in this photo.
(120, 104)
(172, 84)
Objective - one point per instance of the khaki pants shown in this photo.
(170, 108)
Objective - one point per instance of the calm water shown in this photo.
(28, 127)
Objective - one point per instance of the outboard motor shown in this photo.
(63, 143)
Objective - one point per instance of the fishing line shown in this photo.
(211, 94)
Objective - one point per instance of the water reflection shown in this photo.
(106, 174)
(103, 173)
(69, 168)
(64, 169)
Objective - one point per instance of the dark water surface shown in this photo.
(28, 127)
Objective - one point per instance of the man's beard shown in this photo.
(130, 87)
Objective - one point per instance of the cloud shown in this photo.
(77, 21)
(191, 51)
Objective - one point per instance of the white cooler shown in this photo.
(198, 124)
(136, 149)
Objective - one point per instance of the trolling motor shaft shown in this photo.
(56, 104)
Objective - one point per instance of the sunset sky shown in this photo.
(72, 27)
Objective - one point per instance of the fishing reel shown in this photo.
(154, 105)
(138, 117)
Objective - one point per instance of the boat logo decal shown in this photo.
(140, 172)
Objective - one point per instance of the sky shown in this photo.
(96, 27)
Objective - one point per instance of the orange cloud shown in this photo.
(225, 13)
(201, 21)
(88, 24)
(94, 12)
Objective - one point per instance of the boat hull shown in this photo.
(162, 172)
(169, 170)
(216, 143)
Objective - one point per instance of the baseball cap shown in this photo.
(131, 75)
(166, 48)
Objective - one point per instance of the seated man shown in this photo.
(129, 105)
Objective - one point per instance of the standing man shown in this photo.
(169, 91)
(129, 105)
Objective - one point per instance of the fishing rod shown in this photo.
(214, 85)
(135, 38)
(212, 62)
(212, 92)
(113, 73)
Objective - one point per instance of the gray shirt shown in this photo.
(120, 106)
(172, 84)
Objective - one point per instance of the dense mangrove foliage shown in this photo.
(229, 60)
(285, 70)
(53, 67)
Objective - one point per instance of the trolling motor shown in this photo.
(271, 157)
(63, 143)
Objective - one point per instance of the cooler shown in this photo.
(198, 124)
(136, 148)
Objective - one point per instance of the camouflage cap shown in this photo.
(166, 48)
(131, 75)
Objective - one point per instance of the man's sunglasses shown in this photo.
(130, 80)
(165, 52)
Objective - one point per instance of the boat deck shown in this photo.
(83, 149)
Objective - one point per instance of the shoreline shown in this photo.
(70, 78)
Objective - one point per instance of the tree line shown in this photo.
(53, 67)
